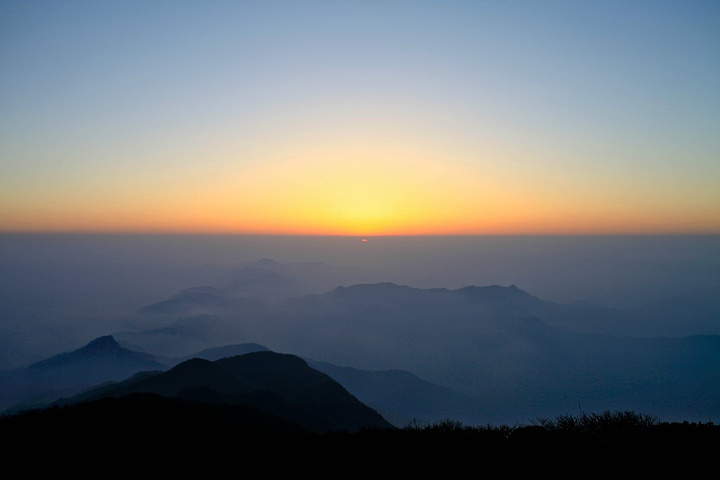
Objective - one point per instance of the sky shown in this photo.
(360, 118)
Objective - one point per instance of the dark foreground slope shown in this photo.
(399, 396)
(281, 386)
(153, 434)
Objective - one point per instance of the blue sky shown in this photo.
(558, 116)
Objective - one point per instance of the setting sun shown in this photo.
(467, 119)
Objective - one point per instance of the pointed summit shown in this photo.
(103, 344)
(102, 353)
(102, 360)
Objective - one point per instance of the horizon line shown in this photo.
(349, 235)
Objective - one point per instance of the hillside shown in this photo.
(101, 360)
(519, 356)
(279, 385)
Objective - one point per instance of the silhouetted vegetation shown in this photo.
(605, 429)
(138, 426)
(608, 442)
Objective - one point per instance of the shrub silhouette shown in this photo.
(611, 429)
(605, 440)
(601, 423)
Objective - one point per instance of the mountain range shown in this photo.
(281, 386)
(518, 356)
(493, 354)
(251, 287)
(101, 360)
(101, 368)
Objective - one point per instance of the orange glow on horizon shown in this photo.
(499, 226)
(352, 192)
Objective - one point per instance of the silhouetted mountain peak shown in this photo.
(216, 353)
(272, 368)
(190, 374)
(191, 365)
(102, 349)
(278, 384)
(104, 344)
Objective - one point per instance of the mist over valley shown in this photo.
(587, 324)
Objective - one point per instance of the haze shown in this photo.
(59, 291)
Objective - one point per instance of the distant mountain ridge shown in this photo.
(216, 353)
(518, 356)
(507, 300)
(398, 396)
(402, 397)
(101, 360)
(101, 347)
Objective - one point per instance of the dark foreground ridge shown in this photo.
(159, 432)
(258, 390)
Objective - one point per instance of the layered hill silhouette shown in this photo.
(504, 355)
(509, 301)
(519, 356)
(280, 386)
(101, 360)
(398, 395)
(402, 397)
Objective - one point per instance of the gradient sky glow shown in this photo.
(360, 118)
